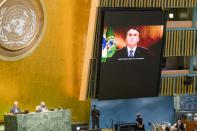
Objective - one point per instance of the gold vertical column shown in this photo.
(88, 49)
(176, 43)
(139, 4)
(182, 85)
(191, 42)
(148, 3)
(153, 4)
(168, 3)
(134, 3)
(118, 3)
(175, 3)
(171, 4)
(162, 86)
(105, 3)
(181, 3)
(113, 3)
(186, 44)
(121, 3)
(179, 43)
(174, 85)
(179, 85)
(195, 3)
(144, 3)
(170, 86)
(171, 43)
(182, 42)
(194, 84)
(126, 3)
(166, 86)
(194, 44)
(165, 4)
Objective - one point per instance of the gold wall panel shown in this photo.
(180, 42)
(175, 85)
(149, 3)
(53, 72)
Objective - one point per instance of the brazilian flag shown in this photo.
(108, 45)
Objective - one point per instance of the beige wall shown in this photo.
(53, 72)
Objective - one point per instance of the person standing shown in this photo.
(95, 113)
(139, 122)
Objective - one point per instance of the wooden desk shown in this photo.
(190, 125)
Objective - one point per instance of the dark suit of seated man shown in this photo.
(15, 109)
(132, 49)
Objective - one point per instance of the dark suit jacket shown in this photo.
(14, 109)
(140, 52)
(180, 127)
(95, 114)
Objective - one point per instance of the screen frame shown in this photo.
(102, 11)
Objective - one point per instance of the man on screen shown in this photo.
(132, 49)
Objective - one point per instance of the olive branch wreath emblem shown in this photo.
(26, 37)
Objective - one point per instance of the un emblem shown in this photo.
(21, 26)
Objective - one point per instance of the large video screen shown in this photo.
(131, 45)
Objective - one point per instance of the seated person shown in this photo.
(41, 108)
(166, 126)
(178, 126)
(15, 109)
(139, 122)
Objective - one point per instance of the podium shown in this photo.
(45, 121)
(125, 127)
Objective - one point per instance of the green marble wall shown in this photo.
(45, 121)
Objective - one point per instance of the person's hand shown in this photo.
(140, 126)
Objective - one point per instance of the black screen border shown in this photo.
(102, 11)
